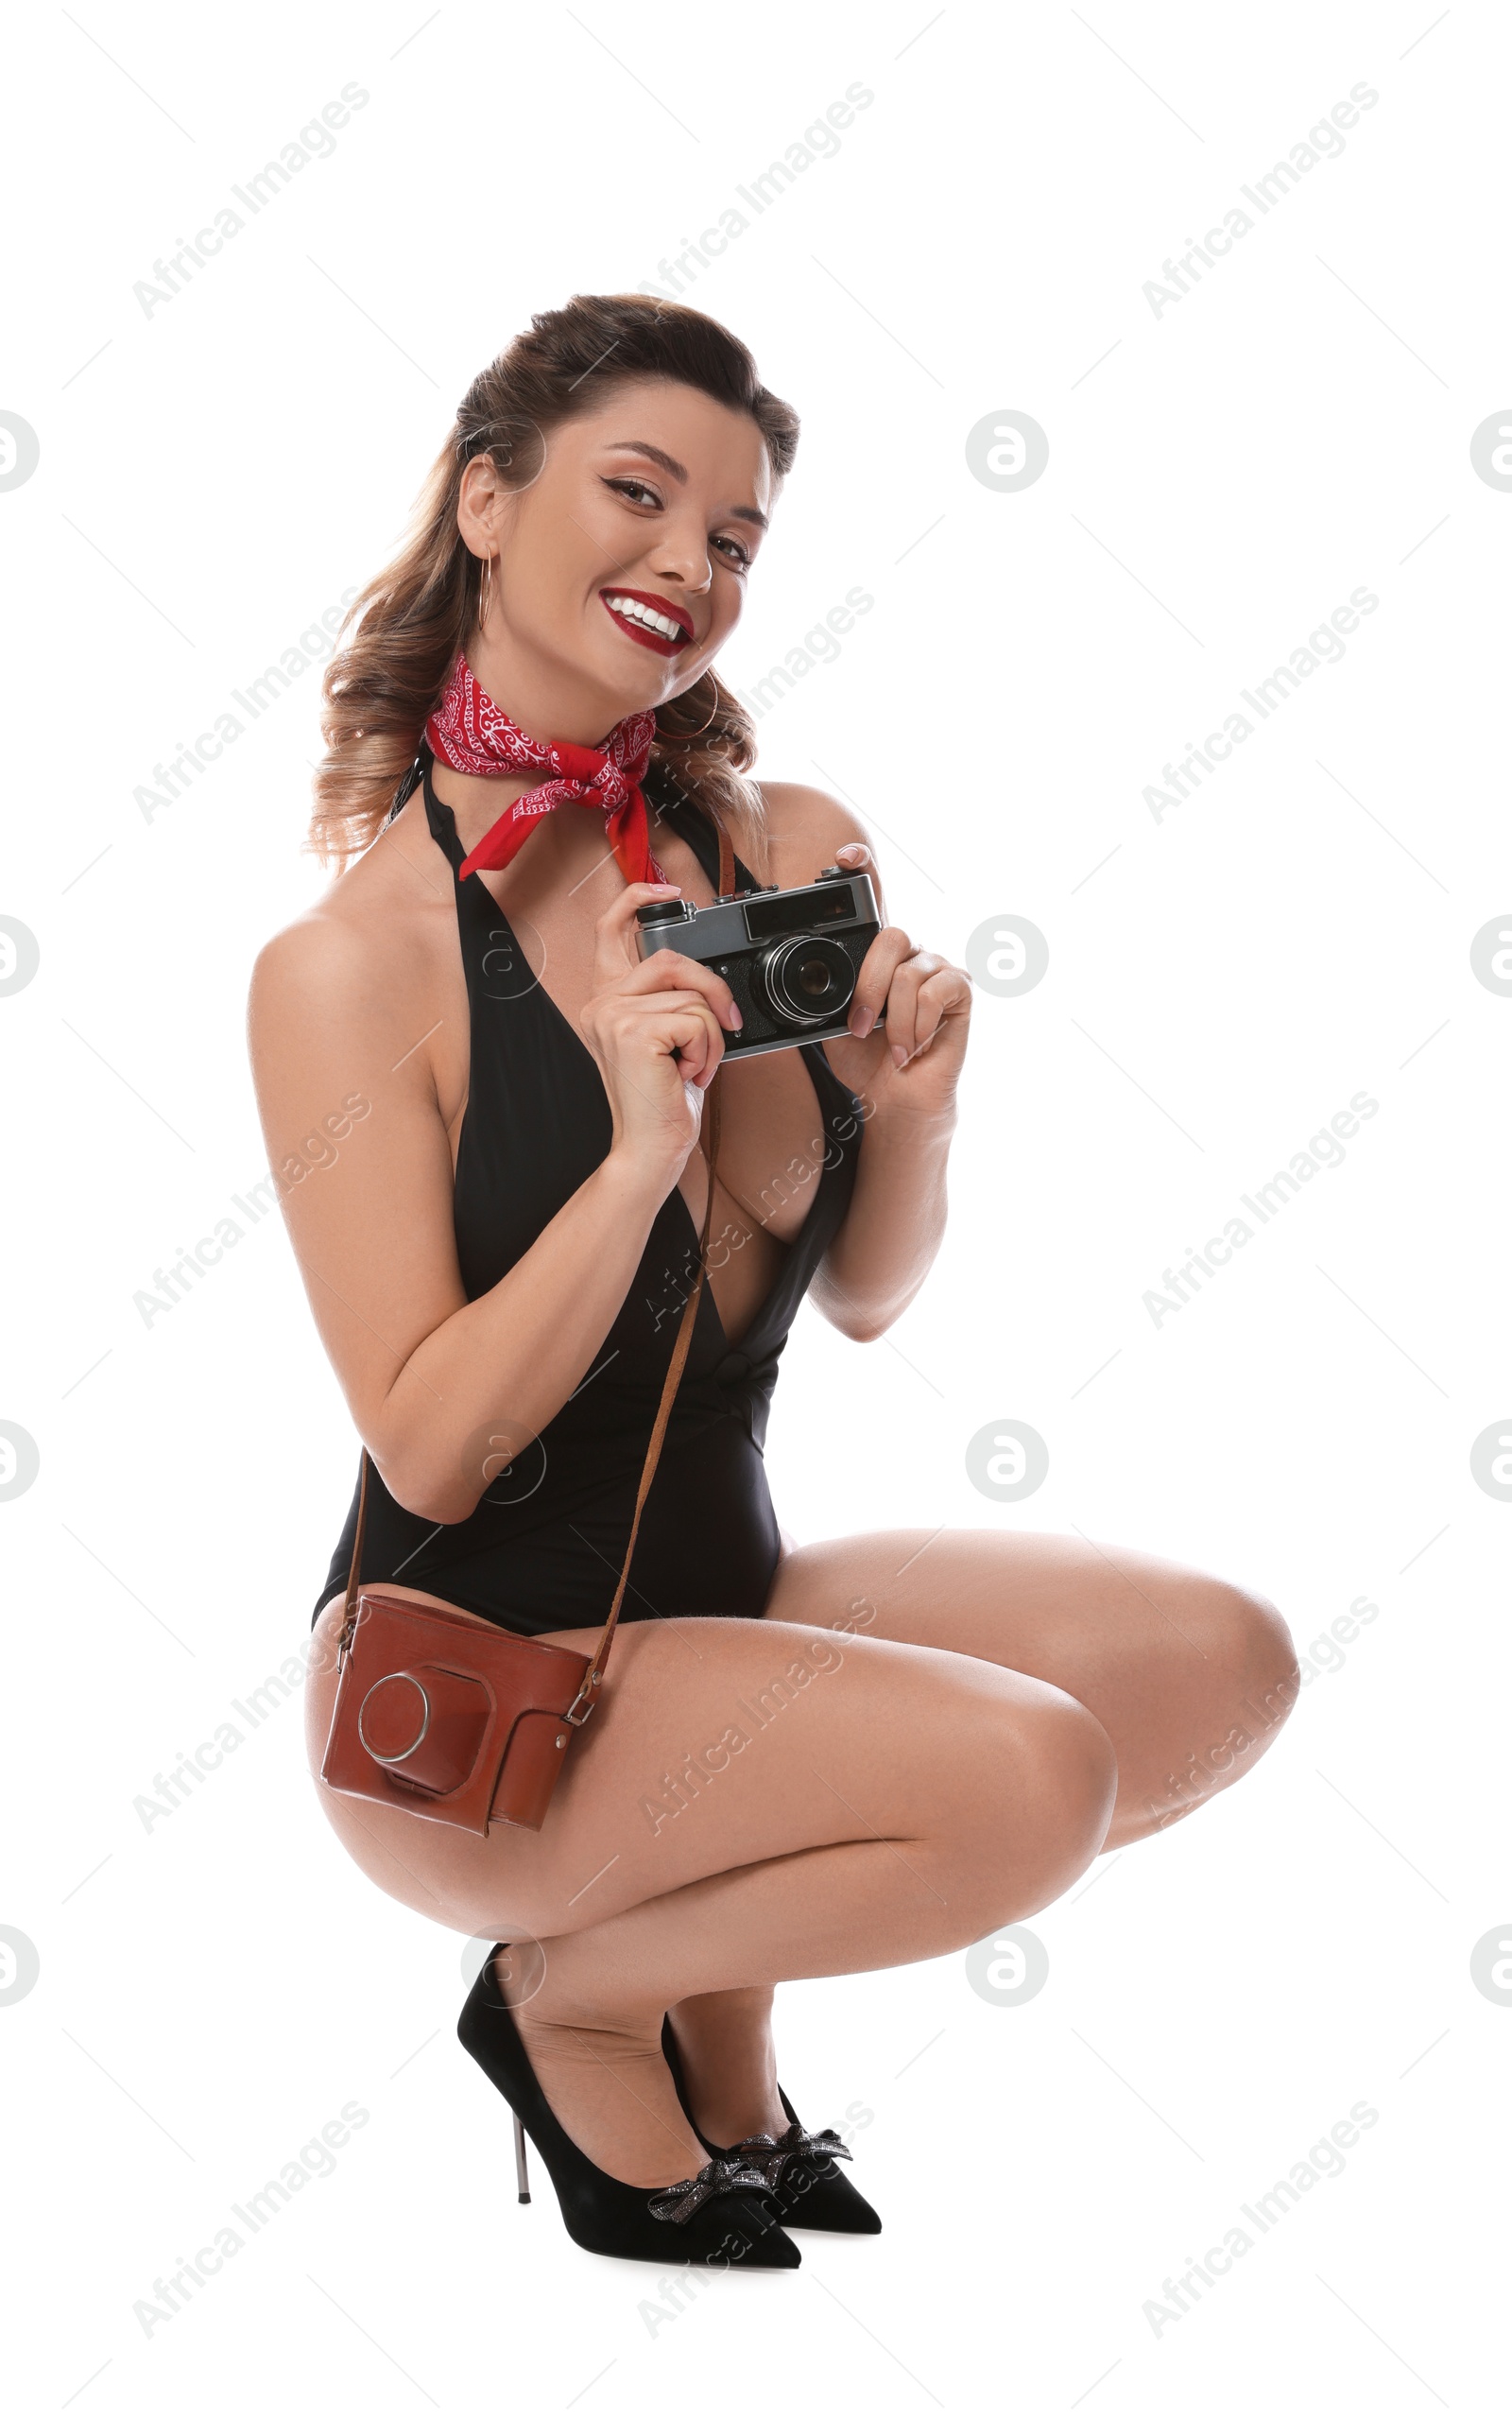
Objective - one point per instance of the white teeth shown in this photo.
(633, 610)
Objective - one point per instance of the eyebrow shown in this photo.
(676, 470)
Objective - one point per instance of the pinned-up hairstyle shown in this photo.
(403, 634)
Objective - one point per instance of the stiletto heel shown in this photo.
(805, 2186)
(720, 2216)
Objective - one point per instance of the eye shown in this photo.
(634, 489)
(638, 491)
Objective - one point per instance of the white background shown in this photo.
(212, 476)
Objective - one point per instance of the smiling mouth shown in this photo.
(651, 621)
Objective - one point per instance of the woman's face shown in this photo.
(620, 570)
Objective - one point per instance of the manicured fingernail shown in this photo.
(862, 1021)
(899, 1054)
(736, 1020)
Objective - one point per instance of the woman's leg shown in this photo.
(728, 2062)
(1190, 1678)
(752, 1801)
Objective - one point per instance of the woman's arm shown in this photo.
(894, 1226)
(904, 1071)
(438, 1385)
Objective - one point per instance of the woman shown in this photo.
(808, 1760)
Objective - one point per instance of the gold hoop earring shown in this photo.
(703, 726)
(484, 591)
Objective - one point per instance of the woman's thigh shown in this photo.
(1189, 1675)
(719, 1744)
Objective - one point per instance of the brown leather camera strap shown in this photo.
(583, 1702)
(349, 1618)
(726, 854)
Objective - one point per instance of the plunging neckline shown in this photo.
(452, 850)
(564, 1021)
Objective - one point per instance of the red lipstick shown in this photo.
(644, 634)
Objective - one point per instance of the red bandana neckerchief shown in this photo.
(469, 732)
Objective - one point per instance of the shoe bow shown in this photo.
(774, 2157)
(679, 2201)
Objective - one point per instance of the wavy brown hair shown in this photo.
(401, 637)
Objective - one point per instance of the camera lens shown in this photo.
(807, 979)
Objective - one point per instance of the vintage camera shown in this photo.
(791, 957)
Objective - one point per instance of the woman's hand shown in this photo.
(911, 1062)
(657, 1028)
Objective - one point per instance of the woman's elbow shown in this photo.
(427, 1490)
(860, 1322)
(859, 1328)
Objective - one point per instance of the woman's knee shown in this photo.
(1071, 1767)
(1046, 1779)
(1248, 1638)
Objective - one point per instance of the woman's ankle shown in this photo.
(611, 2090)
(729, 2066)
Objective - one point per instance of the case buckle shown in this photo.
(584, 1704)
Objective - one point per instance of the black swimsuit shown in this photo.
(544, 1549)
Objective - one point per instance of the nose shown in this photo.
(681, 554)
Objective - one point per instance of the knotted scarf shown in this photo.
(469, 732)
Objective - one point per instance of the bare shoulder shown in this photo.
(361, 949)
(312, 957)
(804, 828)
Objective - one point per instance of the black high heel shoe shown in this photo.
(798, 2169)
(720, 2216)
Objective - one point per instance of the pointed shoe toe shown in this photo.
(806, 2188)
